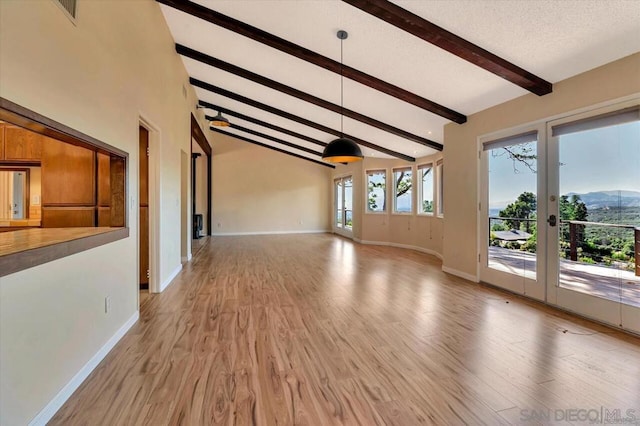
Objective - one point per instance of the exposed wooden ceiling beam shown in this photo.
(305, 54)
(257, 78)
(272, 138)
(438, 36)
(293, 117)
(264, 145)
(261, 123)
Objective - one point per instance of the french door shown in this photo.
(343, 206)
(560, 213)
(512, 248)
(594, 265)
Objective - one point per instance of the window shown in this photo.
(402, 182)
(425, 181)
(376, 191)
(439, 180)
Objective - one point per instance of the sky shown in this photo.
(603, 159)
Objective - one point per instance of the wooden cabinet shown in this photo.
(21, 144)
(68, 175)
(2, 125)
(68, 217)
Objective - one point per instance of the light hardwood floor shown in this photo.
(317, 330)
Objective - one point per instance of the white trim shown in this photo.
(186, 258)
(403, 246)
(313, 231)
(174, 274)
(460, 274)
(54, 405)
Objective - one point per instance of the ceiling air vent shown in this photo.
(69, 6)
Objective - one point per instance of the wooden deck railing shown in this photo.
(573, 238)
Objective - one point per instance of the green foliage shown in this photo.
(427, 206)
(373, 198)
(403, 184)
(522, 208)
(596, 244)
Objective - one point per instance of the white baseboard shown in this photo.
(54, 405)
(404, 246)
(311, 231)
(460, 274)
(186, 258)
(174, 274)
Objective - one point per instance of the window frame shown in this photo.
(439, 185)
(420, 198)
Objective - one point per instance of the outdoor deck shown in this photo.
(607, 282)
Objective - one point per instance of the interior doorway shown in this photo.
(200, 188)
(143, 207)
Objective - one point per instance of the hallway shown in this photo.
(314, 329)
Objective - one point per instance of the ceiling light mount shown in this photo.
(342, 150)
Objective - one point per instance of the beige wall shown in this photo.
(404, 230)
(609, 82)
(258, 190)
(99, 76)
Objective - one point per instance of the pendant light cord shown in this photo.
(341, 92)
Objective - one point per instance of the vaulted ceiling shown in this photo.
(410, 67)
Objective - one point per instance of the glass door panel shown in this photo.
(509, 251)
(343, 206)
(348, 202)
(339, 196)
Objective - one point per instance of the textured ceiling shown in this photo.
(552, 39)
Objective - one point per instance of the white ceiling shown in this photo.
(552, 39)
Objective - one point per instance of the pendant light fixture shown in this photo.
(342, 150)
(220, 121)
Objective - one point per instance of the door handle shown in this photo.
(552, 220)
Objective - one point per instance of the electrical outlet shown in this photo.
(107, 304)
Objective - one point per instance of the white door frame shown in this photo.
(341, 230)
(154, 204)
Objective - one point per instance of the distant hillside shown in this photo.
(604, 199)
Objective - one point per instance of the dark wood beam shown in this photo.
(305, 54)
(293, 117)
(438, 36)
(257, 78)
(261, 123)
(273, 139)
(264, 145)
(198, 135)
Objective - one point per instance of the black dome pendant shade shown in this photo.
(220, 121)
(342, 150)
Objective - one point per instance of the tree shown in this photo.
(373, 198)
(572, 209)
(523, 154)
(519, 210)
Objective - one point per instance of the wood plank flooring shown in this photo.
(317, 330)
